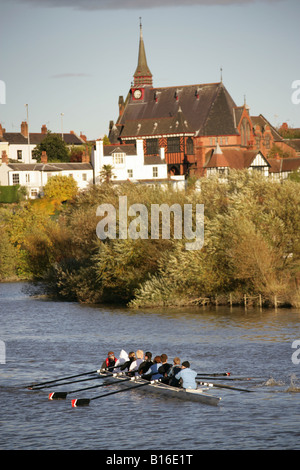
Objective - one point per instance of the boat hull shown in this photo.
(159, 388)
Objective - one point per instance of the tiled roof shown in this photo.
(207, 108)
(231, 158)
(124, 148)
(284, 164)
(16, 138)
(49, 166)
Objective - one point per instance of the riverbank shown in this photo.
(250, 255)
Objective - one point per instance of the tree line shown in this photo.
(251, 246)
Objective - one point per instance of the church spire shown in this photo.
(142, 75)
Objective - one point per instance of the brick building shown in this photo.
(187, 121)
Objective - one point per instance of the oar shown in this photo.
(37, 386)
(30, 387)
(222, 374)
(224, 386)
(63, 395)
(86, 401)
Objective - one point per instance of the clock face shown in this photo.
(137, 94)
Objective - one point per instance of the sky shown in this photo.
(70, 60)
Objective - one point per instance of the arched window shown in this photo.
(189, 146)
(245, 132)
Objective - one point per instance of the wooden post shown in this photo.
(245, 301)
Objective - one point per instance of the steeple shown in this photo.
(142, 75)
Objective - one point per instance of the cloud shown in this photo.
(90, 5)
(70, 75)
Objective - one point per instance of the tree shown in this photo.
(61, 188)
(55, 148)
(106, 173)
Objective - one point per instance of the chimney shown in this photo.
(44, 158)
(85, 156)
(1, 131)
(82, 136)
(24, 129)
(4, 156)
(44, 129)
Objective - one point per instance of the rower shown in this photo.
(173, 371)
(144, 366)
(152, 373)
(110, 361)
(164, 368)
(127, 364)
(138, 361)
(187, 375)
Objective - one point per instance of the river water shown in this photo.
(45, 339)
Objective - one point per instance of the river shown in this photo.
(45, 339)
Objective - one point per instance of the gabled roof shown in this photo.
(235, 159)
(262, 122)
(207, 108)
(109, 150)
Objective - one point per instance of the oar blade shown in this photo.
(80, 402)
(58, 395)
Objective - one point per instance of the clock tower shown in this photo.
(142, 75)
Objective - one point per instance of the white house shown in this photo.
(129, 162)
(19, 145)
(34, 176)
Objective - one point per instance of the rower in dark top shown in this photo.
(127, 364)
(109, 362)
(164, 368)
(144, 366)
(173, 371)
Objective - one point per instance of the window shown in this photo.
(130, 173)
(267, 141)
(245, 132)
(84, 176)
(189, 146)
(151, 146)
(155, 172)
(16, 178)
(173, 144)
(33, 193)
(19, 154)
(27, 177)
(119, 158)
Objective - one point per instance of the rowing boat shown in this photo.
(156, 387)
